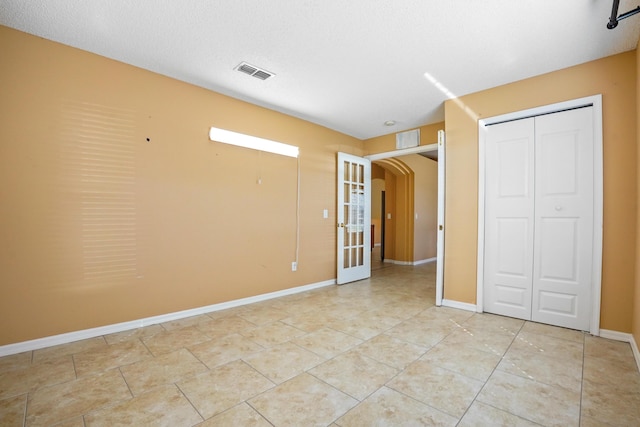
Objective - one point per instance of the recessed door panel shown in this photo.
(559, 249)
(558, 163)
(513, 167)
(513, 246)
(509, 224)
(558, 304)
(512, 297)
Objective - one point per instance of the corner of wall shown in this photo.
(635, 326)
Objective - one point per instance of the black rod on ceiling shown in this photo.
(613, 21)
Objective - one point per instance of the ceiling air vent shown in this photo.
(256, 72)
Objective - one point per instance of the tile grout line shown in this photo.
(190, 402)
(515, 335)
(582, 380)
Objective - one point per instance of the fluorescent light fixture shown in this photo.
(255, 143)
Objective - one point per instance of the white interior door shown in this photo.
(564, 185)
(509, 218)
(539, 218)
(354, 218)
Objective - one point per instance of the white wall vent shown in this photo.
(408, 139)
(254, 71)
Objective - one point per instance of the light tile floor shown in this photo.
(371, 353)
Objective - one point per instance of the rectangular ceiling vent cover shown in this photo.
(254, 71)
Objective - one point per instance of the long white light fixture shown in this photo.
(253, 142)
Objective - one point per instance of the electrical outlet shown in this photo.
(294, 266)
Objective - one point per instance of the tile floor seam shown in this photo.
(539, 382)
(385, 363)
(491, 375)
(125, 381)
(421, 402)
(75, 370)
(502, 410)
(260, 373)
(190, 403)
(582, 381)
(256, 409)
(24, 410)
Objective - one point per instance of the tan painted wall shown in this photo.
(196, 226)
(425, 205)
(615, 78)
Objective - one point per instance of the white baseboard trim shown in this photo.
(422, 261)
(625, 337)
(39, 343)
(615, 335)
(425, 261)
(459, 305)
(636, 352)
(393, 261)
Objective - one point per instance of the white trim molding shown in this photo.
(414, 263)
(394, 262)
(425, 261)
(403, 152)
(624, 337)
(39, 343)
(459, 305)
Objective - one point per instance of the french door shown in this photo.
(539, 218)
(353, 218)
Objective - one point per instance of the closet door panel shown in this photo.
(563, 240)
(509, 196)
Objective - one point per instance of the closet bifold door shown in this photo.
(564, 215)
(509, 218)
(539, 218)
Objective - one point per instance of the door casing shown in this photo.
(440, 148)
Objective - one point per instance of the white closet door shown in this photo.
(509, 218)
(563, 219)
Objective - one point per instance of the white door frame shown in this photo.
(439, 147)
(596, 102)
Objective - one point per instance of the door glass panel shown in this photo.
(346, 171)
(360, 255)
(346, 258)
(360, 174)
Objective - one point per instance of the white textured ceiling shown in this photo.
(349, 65)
